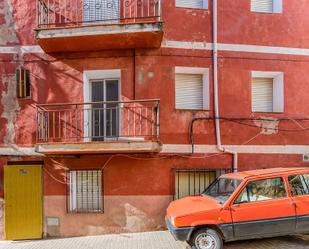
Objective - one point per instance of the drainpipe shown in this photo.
(216, 95)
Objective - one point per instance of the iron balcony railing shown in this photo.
(98, 121)
(62, 13)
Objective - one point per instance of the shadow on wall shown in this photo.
(52, 82)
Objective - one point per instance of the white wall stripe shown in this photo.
(31, 49)
(186, 148)
(8, 50)
(236, 48)
(250, 149)
(18, 151)
(263, 49)
(20, 49)
(187, 45)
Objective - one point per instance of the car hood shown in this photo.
(192, 205)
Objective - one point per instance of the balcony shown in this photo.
(91, 25)
(99, 127)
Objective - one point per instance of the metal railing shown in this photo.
(62, 13)
(98, 121)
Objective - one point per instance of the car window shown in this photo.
(222, 189)
(299, 184)
(262, 190)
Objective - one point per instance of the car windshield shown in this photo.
(222, 189)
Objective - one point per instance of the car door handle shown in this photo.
(233, 207)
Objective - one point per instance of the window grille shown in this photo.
(23, 83)
(194, 182)
(85, 191)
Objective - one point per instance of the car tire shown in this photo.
(206, 239)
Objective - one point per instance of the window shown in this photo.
(94, 10)
(262, 94)
(192, 182)
(266, 6)
(92, 92)
(299, 184)
(23, 83)
(105, 117)
(85, 191)
(267, 91)
(197, 4)
(192, 88)
(222, 189)
(263, 190)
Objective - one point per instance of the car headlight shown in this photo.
(173, 220)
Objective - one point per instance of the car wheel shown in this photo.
(206, 239)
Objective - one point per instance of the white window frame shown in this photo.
(90, 75)
(278, 88)
(205, 5)
(277, 7)
(205, 74)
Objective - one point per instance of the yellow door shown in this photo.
(23, 201)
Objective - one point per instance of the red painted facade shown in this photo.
(141, 186)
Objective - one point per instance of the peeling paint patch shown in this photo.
(150, 75)
(268, 125)
(140, 76)
(10, 107)
(136, 219)
(7, 29)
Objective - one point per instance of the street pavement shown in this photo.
(150, 240)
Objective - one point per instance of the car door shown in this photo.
(299, 185)
(263, 209)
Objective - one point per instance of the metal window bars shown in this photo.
(192, 182)
(136, 120)
(85, 191)
(62, 13)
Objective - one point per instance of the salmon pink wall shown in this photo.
(237, 24)
(59, 80)
(129, 175)
(133, 184)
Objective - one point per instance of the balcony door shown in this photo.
(105, 116)
(100, 10)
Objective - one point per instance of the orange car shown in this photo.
(244, 205)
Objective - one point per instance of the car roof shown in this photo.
(265, 172)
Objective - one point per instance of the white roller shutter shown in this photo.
(199, 4)
(100, 10)
(262, 95)
(189, 91)
(262, 6)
